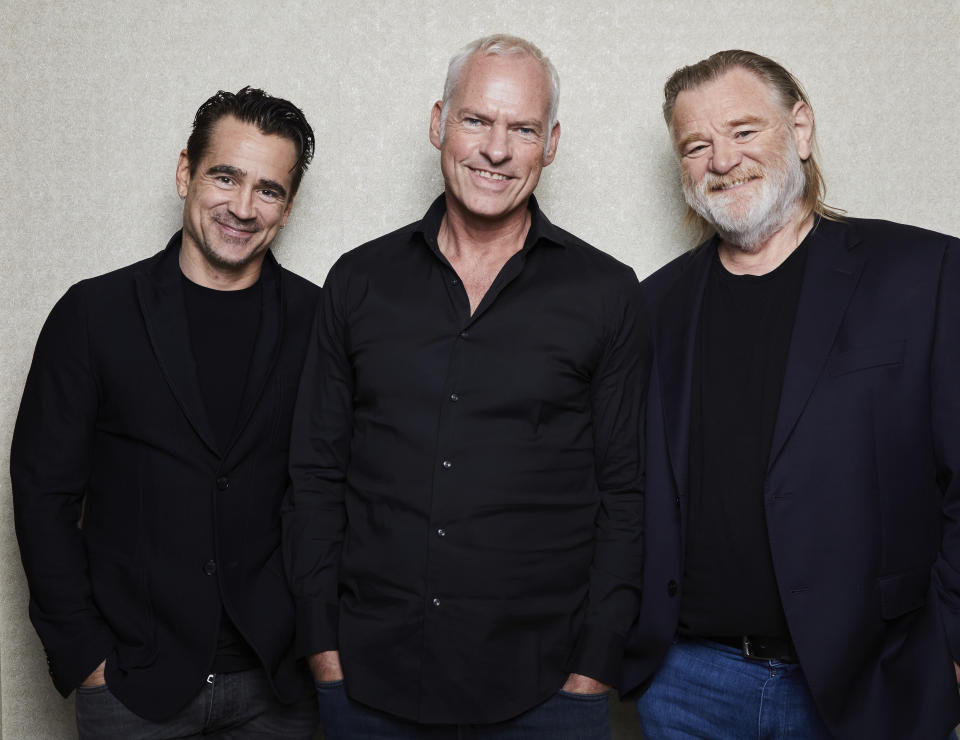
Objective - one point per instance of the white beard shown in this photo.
(747, 221)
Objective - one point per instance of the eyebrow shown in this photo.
(698, 136)
(239, 174)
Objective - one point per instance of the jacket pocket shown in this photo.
(903, 592)
(863, 358)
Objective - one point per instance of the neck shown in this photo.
(769, 254)
(199, 270)
(464, 233)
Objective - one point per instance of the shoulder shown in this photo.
(659, 282)
(298, 287)
(111, 288)
(882, 233)
(587, 260)
(376, 254)
(386, 257)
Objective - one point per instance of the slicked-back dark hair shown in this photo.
(270, 115)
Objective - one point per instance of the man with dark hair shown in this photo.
(463, 532)
(802, 575)
(149, 456)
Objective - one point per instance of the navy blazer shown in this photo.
(862, 492)
(113, 423)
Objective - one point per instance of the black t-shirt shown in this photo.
(223, 330)
(746, 322)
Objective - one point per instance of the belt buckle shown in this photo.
(745, 647)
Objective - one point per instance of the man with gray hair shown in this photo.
(802, 575)
(462, 533)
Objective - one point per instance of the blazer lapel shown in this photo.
(160, 294)
(678, 318)
(266, 350)
(834, 263)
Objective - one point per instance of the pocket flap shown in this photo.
(863, 358)
(904, 592)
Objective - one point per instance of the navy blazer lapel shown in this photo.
(677, 320)
(267, 346)
(835, 261)
(160, 293)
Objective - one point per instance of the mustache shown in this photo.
(712, 183)
(226, 218)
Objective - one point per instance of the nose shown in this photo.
(725, 156)
(242, 205)
(496, 144)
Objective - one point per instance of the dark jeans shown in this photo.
(563, 716)
(709, 691)
(231, 706)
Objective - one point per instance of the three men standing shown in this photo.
(463, 531)
(466, 533)
(157, 411)
(802, 571)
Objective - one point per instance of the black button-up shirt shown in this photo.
(465, 517)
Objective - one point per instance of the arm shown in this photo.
(314, 515)
(945, 409)
(619, 390)
(50, 461)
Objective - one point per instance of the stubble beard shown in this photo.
(221, 260)
(749, 225)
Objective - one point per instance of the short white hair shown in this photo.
(500, 44)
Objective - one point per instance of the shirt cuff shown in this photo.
(598, 654)
(317, 627)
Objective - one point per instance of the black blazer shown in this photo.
(862, 493)
(112, 424)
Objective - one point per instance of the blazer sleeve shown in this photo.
(50, 461)
(945, 401)
(618, 398)
(314, 515)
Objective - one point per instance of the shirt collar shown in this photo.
(541, 230)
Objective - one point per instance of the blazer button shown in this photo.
(223, 483)
(210, 568)
(672, 588)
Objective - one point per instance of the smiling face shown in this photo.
(494, 143)
(235, 201)
(741, 156)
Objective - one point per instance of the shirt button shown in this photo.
(447, 464)
(210, 568)
(223, 483)
(454, 282)
(672, 588)
(441, 532)
(464, 334)
(454, 397)
(436, 602)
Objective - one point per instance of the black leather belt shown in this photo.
(758, 647)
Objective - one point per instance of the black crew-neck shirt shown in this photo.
(743, 338)
(223, 330)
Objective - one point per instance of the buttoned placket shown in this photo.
(454, 406)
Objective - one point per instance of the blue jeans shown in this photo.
(707, 691)
(230, 706)
(564, 716)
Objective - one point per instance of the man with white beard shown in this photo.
(802, 517)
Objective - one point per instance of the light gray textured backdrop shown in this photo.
(98, 98)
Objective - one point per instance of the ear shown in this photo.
(436, 119)
(183, 174)
(802, 118)
(286, 211)
(551, 151)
